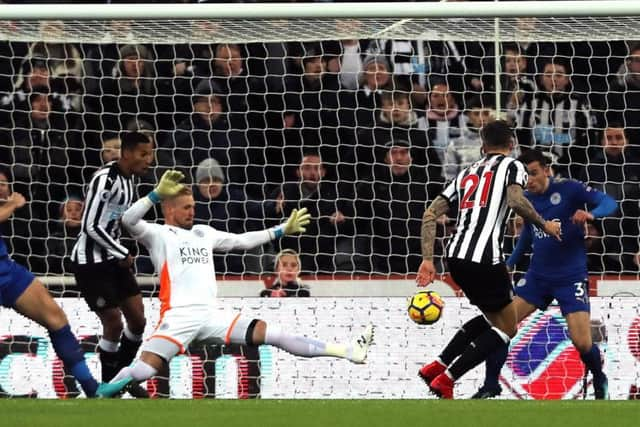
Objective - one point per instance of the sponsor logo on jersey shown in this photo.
(190, 255)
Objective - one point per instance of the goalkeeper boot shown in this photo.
(601, 387)
(430, 371)
(442, 386)
(487, 392)
(113, 389)
(360, 345)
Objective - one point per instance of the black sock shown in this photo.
(127, 351)
(109, 364)
(475, 353)
(465, 335)
(495, 362)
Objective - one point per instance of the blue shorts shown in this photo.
(14, 280)
(572, 294)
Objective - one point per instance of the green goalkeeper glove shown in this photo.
(168, 186)
(296, 222)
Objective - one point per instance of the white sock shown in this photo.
(139, 371)
(131, 336)
(303, 346)
(108, 346)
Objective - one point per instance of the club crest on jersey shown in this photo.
(555, 198)
(198, 232)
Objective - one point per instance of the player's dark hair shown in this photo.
(531, 156)
(130, 140)
(496, 134)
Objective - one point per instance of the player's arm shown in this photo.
(168, 186)
(524, 244)
(14, 201)
(523, 207)
(427, 271)
(96, 204)
(605, 205)
(296, 223)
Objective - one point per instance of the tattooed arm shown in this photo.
(427, 271)
(438, 207)
(522, 206)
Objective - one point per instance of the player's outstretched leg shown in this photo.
(298, 345)
(36, 304)
(494, 363)
(463, 337)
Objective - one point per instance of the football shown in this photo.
(425, 307)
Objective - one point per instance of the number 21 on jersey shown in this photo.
(469, 185)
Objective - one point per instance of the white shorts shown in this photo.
(179, 327)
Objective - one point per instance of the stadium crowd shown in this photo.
(363, 133)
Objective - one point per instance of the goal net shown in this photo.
(358, 112)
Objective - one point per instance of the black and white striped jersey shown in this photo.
(481, 193)
(110, 194)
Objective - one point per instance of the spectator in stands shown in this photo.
(443, 120)
(224, 207)
(322, 240)
(374, 79)
(557, 119)
(34, 72)
(110, 150)
(389, 209)
(128, 92)
(242, 101)
(347, 61)
(287, 283)
(63, 236)
(397, 121)
(206, 134)
(515, 82)
(44, 160)
(623, 97)
(313, 96)
(616, 171)
(466, 149)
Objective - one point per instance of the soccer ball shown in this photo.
(425, 307)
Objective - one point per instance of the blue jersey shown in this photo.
(3, 247)
(553, 259)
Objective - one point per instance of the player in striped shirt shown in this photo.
(558, 270)
(181, 254)
(485, 193)
(102, 266)
(20, 290)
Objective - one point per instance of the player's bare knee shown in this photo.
(55, 318)
(111, 323)
(259, 332)
(137, 325)
(582, 344)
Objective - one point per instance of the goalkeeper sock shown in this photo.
(465, 335)
(68, 350)
(478, 351)
(140, 371)
(129, 345)
(303, 346)
(494, 364)
(592, 360)
(108, 352)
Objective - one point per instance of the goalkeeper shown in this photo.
(558, 269)
(181, 254)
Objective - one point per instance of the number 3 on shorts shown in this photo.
(581, 291)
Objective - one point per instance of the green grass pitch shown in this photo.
(310, 413)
